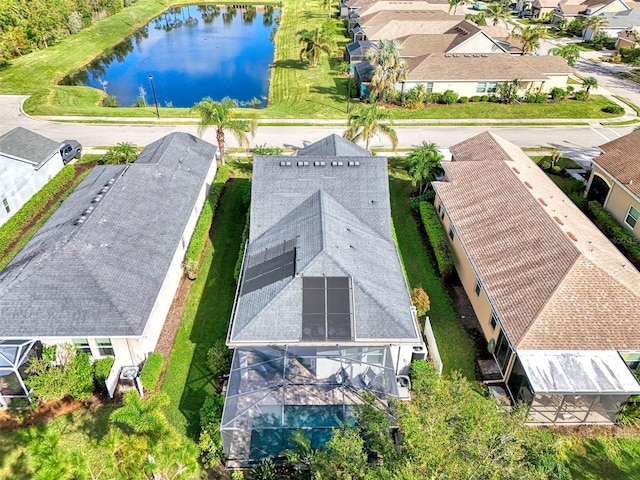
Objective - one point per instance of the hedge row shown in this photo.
(612, 229)
(201, 232)
(14, 227)
(243, 243)
(150, 374)
(437, 239)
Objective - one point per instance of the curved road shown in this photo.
(564, 138)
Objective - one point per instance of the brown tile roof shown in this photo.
(555, 281)
(470, 67)
(547, 64)
(418, 44)
(390, 24)
(621, 160)
(386, 16)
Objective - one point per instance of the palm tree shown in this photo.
(314, 43)
(453, 5)
(389, 68)
(570, 52)
(424, 161)
(594, 23)
(366, 122)
(326, 4)
(530, 36)
(142, 416)
(123, 152)
(302, 458)
(498, 13)
(589, 83)
(220, 115)
(479, 18)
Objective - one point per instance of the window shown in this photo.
(452, 232)
(502, 352)
(82, 344)
(632, 217)
(494, 320)
(487, 87)
(632, 360)
(104, 347)
(429, 87)
(5, 202)
(478, 287)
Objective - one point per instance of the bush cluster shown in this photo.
(102, 369)
(201, 232)
(243, 243)
(615, 109)
(210, 442)
(219, 358)
(13, 228)
(437, 239)
(612, 229)
(150, 374)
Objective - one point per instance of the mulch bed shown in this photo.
(44, 413)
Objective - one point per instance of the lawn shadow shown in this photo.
(212, 317)
(295, 64)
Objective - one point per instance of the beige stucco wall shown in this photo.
(469, 89)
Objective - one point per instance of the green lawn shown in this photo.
(598, 458)
(187, 380)
(456, 349)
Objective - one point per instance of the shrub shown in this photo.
(150, 374)
(484, 98)
(612, 229)
(615, 109)
(437, 239)
(210, 440)
(102, 369)
(475, 98)
(10, 232)
(421, 301)
(211, 410)
(82, 372)
(494, 99)
(580, 95)
(110, 101)
(264, 150)
(448, 97)
(557, 93)
(219, 358)
(538, 97)
(243, 243)
(463, 99)
(201, 231)
(580, 200)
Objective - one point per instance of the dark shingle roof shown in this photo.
(27, 145)
(333, 146)
(102, 277)
(339, 219)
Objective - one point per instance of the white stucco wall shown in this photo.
(20, 180)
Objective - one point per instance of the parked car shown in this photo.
(479, 6)
(526, 14)
(70, 149)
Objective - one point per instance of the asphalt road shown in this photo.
(92, 135)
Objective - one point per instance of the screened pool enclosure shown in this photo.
(14, 356)
(273, 391)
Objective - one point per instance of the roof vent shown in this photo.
(447, 55)
(528, 184)
(467, 55)
(515, 170)
(572, 236)
(285, 164)
(485, 55)
(319, 164)
(303, 164)
(104, 189)
(111, 182)
(475, 55)
(97, 198)
(541, 200)
(557, 219)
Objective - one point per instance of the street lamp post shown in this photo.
(153, 91)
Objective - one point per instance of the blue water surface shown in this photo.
(191, 52)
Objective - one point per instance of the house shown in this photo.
(570, 9)
(27, 162)
(475, 74)
(102, 271)
(391, 24)
(366, 7)
(557, 303)
(616, 23)
(322, 310)
(615, 180)
(543, 8)
(628, 38)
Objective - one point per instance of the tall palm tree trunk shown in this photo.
(220, 138)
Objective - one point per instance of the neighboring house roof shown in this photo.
(545, 3)
(482, 67)
(333, 146)
(27, 145)
(555, 281)
(624, 19)
(334, 220)
(390, 24)
(366, 7)
(621, 160)
(95, 268)
(359, 49)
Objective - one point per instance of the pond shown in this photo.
(190, 53)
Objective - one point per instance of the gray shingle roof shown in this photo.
(28, 145)
(339, 218)
(103, 276)
(333, 146)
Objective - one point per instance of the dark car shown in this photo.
(526, 14)
(70, 149)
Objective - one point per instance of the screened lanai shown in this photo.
(572, 387)
(273, 391)
(14, 356)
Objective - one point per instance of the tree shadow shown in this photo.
(244, 166)
(289, 63)
(214, 311)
